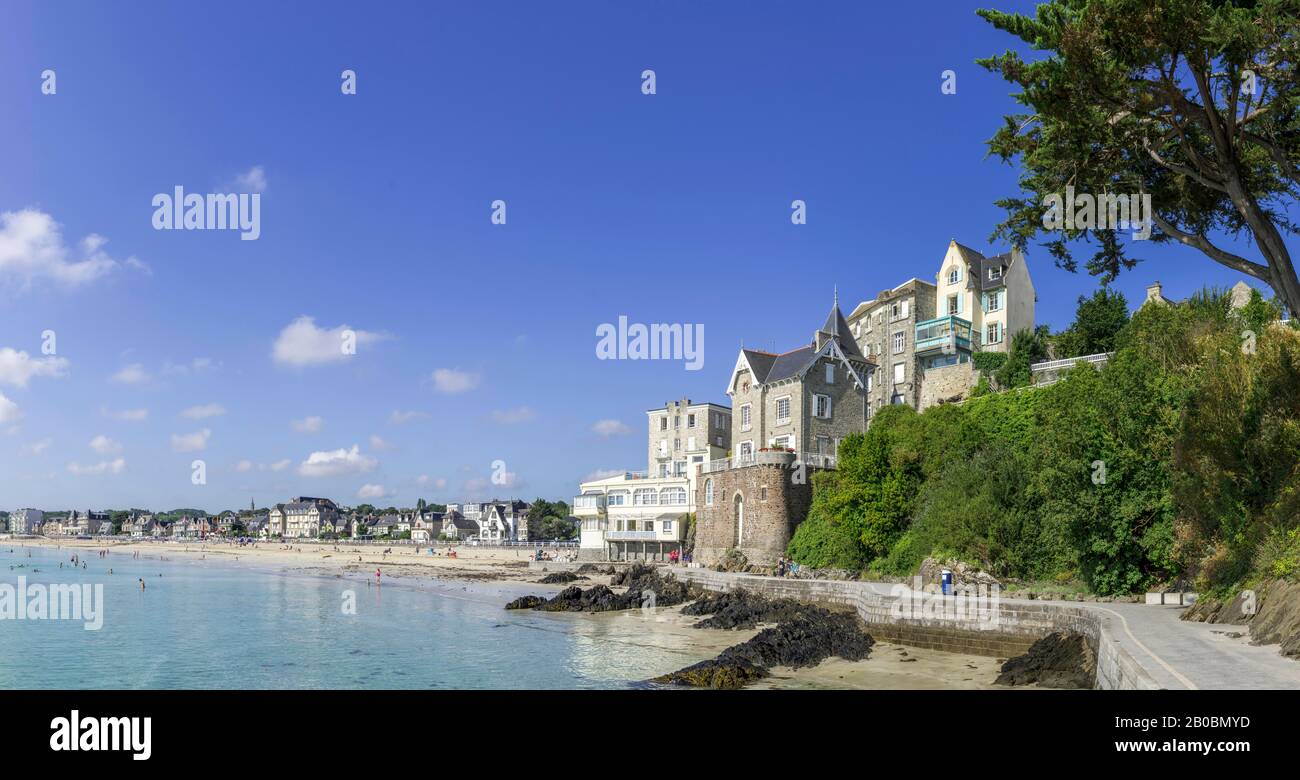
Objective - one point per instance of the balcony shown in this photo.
(588, 502)
(948, 335)
(771, 458)
(631, 536)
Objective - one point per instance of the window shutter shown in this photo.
(959, 302)
(905, 308)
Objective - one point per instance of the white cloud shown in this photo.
(37, 447)
(32, 247)
(129, 415)
(136, 264)
(244, 465)
(609, 428)
(335, 463)
(203, 411)
(252, 180)
(196, 366)
(378, 443)
(8, 410)
(401, 418)
(116, 466)
(452, 381)
(133, 374)
(191, 442)
(104, 445)
(513, 416)
(369, 490)
(440, 483)
(281, 465)
(307, 424)
(301, 343)
(16, 367)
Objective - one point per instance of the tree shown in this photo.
(1027, 347)
(1192, 102)
(1097, 321)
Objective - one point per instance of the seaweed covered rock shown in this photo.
(560, 578)
(591, 568)
(716, 673)
(526, 602)
(646, 588)
(743, 609)
(806, 639)
(1056, 661)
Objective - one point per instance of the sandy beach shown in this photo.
(496, 575)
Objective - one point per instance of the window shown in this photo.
(900, 374)
(781, 442)
(645, 497)
(690, 443)
(870, 378)
(616, 499)
(823, 406)
(663, 469)
(668, 526)
(900, 341)
(824, 445)
(708, 492)
(679, 468)
(830, 373)
(718, 440)
(663, 447)
(783, 409)
(677, 421)
(993, 301)
(690, 421)
(995, 272)
(744, 417)
(994, 333)
(677, 444)
(762, 493)
(953, 306)
(663, 423)
(746, 449)
(954, 274)
(670, 496)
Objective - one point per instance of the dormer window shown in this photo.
(954, 274)
(995, 272)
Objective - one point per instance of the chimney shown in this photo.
(1154, 292)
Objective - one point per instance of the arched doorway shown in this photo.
(738, 503)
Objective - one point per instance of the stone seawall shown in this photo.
(1017, 624)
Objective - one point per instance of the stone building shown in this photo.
(790, 411)
(683, 435)
(885, 331)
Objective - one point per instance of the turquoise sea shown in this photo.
(211, 624)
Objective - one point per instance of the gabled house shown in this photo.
(504, 521)
(804, 400)
(426, 527)
(457, 526)
(789, 413)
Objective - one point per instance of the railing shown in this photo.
(631, 536)
(1054, 365)
(814, 459)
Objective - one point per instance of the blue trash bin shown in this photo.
(946, 580)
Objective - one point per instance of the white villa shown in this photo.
(634, 515)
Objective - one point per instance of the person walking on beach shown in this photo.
(142, 584)
(378, 575)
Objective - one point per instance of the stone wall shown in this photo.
(947, 382)
(774, 504)
(1019, 623)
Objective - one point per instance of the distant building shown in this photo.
(457, 526)
(26, 521)
(304, 517)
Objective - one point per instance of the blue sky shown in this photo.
(375, 215)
